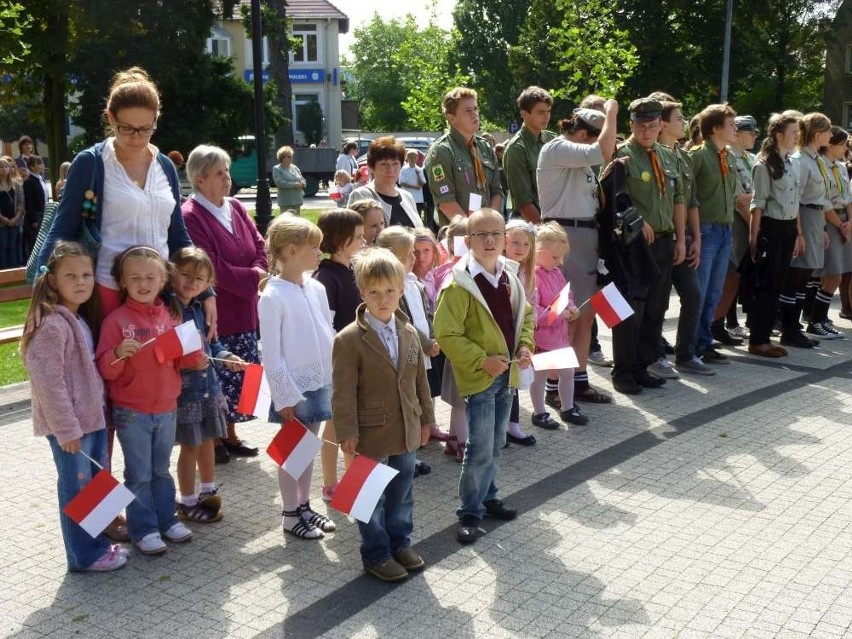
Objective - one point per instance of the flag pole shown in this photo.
(90, 459)
(153, 339)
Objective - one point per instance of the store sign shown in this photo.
(297, 76)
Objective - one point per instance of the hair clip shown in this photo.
(42, 269)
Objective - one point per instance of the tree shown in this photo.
(13, 22)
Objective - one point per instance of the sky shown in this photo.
(361, 12)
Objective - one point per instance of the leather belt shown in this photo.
(574, 223)
(814, 207)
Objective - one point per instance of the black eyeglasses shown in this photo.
(126, 129)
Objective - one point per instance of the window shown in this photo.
(309, 119)
(305, 44)
(219, 43)
(249, 54)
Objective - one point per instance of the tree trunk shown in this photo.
(53, 98)
(279, 68)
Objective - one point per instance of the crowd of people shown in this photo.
(394, 316)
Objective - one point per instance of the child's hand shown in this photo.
(349, 445)
(433, 352)
(495, 365)
(127, 348)
(524, 357)
(571, 314)
(425, 433)
(235, 363)
(287, 414)
(71, 447)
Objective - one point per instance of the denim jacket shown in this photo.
(198, 385)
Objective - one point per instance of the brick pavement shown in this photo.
(715, 507)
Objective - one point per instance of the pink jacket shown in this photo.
(548, 284)
(67, 392)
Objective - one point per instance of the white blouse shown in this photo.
(132, 215)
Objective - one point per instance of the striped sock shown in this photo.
(551, 386)
(822, 302)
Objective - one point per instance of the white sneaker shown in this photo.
(151, 544)
(695, 366)
(739, 331)
(178, 533)
(663, 369)
(599, 359)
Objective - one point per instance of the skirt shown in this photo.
(838, 255)
(813, 223)
(200, 420)
(242, 345)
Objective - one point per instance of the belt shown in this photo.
(668, 234)
(574, 223)
(815, 207)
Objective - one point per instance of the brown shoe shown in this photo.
(388, 570)
(117, 530)
(409, 560)
(767, 350)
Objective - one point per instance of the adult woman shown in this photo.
(221, 226)
(11, 214)
(289, 181)
(385, 157)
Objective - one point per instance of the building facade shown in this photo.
(837, 96)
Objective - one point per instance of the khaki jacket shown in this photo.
(384, 406)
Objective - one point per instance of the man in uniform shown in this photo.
(656, 189)
(461, 167)
(521, 156)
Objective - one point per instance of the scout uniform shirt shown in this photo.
(653, 194)
(715, 186)
(745, 163)
(451, 173)
(519, 162)
(778, 199)
(687, 176)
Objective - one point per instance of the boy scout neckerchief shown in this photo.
(824, 173)
(658, 171)
(723, 162)
(477, 166)
(840, 182)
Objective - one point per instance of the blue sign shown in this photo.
(297, 76)
(514, 126)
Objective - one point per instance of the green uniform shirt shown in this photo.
(520, 160)
(715, 193)
(450, 172)
(657, 208)
(684, 163)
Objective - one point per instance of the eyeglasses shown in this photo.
(488, 235)
(126, 129)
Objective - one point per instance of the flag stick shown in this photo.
(90, 459)
(153, 339)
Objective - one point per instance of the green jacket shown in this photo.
(468, 332)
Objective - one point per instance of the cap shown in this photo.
(592, 117)
(645, 109)
(746, 123)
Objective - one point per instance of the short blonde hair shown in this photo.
(284, 151)
(452, 98)
(287, 230)
(202, 159)
(376, 264)
(484, 214)
(397, 239)
(552, 233)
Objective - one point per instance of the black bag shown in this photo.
(628, 224)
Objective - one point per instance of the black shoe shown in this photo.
(545, 421)
(669, 349)
(712, 356)
(498, 510)
(468, 529)
(574, 416)
(422, 468)
(724, 337)
(797, 340)
(240, 449)
(626, 385)
(221, 454)
(551, 398)
(647, 380)
(529, 440)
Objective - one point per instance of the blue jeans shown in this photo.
(389, 529)
(146, 441)
(74, 472)
(715, 254)
(487, 418)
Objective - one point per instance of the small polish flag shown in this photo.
(360, 488)
(556, 360)
(255, 396)
(611, 305)
(98, 503)
(181, 340)
(294, 448)
(559, 304)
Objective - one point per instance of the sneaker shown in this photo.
(663, 369)
(828, 326)
(545, 421)
(388, 570)
(328, 492)
(712, 356)
(111, 560)
(409, 559)
(823, 331)
(574, 416)
(498, 510)
(695, 366)
(599, 359)
(739, 331)
(797, 340)
(724, 337)
(178, 533)
(151, 544)
(120, 549)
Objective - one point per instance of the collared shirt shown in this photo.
(657, 208)
(475, 268)
(745, 164)
(221, 213)
(778, 199)
(839, 185)
(813, 184)
(520, 160)
(715, 192)
(567, 188)
(387, 334)
(687, 175)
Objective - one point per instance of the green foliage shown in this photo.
(22, 116)
(13, 23)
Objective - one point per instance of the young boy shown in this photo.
(383, 408)
(485, 327)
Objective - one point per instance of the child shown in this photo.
(427, 258)
(520, 248)
(200, 412)
(296, 335)
(343, 182)
(551, 249)
(374, 218)
(378, 361)
(400, 241)
(144, 391)
(485, 327)
(67, 393)
(342, 237)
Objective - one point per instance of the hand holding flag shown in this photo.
(177, 342)
(294, 448)
(360, 488)
(556, 360)
(100, 501)
(559, 304)
(255, 396)
(610, 305)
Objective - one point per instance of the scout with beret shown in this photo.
(461, 167)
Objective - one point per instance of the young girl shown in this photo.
(200, 408)
(343, 184)
(374, 218)
(427, 258)
(520, 248)
(550, 251)
(144, 388)
(342, 237)
(297, 335)
(67, 393)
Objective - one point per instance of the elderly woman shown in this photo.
(289, 182)
(385, 157)
(220, 225)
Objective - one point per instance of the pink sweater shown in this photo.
(548, 284)
(139, 383)
(67, 392)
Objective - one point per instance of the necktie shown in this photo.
(723, 162)
(824, 173)
(658, 172)
(477, 166)
(840, 181)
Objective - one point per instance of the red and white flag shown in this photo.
(255, 396)
(98, 503)
(610, 305)
(559, 304)
(181, 340)
(294, 448)
(360, 488)
(556, 360)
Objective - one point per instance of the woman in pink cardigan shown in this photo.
(220, 225)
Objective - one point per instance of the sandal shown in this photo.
(301, 528)
(316, 519)
(198, 514)
(592, 396)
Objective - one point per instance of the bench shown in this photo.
(13, 287)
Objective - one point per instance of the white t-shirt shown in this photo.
(409, 175)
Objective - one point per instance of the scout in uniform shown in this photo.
(461, 167)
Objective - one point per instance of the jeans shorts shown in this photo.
(315, 408)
